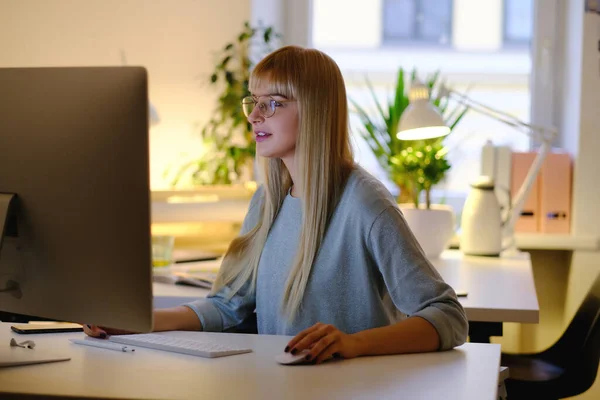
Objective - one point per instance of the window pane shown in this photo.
(435, 17)
(399, 19)
(518, 20)
(417, 20)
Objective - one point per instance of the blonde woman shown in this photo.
(324, 253)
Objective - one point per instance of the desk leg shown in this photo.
(480, 332)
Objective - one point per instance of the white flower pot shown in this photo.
(433, 228)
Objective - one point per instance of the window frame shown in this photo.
(546, 75)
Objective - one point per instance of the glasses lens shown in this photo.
(268, 108)
(265, 106)
(247, 105)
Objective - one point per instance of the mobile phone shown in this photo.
(53, 327)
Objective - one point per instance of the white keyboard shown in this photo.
(177, 345)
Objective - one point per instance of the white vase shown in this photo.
(433, 228)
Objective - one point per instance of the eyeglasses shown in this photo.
(266, 106)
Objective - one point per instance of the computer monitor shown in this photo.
(75, 196)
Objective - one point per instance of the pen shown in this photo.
(103, 344)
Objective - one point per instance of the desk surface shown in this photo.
(499, 289)
(467, 372)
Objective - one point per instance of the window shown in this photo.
(417, 21)
(518, 21)
(479, 47)
(430, 22)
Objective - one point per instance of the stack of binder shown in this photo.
(547, 209)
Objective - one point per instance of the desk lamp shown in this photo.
(421, 121)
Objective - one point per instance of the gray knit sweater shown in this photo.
(369, 272)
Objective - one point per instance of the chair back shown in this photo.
(579, 347)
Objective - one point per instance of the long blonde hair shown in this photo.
(323, 161)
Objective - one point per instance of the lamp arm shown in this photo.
(498, 115)
(543, 134)
(482, 108)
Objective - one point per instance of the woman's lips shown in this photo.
(261, 136)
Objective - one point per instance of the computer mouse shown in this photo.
(290, 359)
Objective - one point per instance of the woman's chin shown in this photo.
(267, 153)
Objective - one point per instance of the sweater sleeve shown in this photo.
(216, 312)
(415, 286)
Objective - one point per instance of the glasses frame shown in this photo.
(254, 100)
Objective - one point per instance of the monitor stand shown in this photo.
(11, 356)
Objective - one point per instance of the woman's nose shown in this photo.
(255, 116)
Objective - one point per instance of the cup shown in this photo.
(162, 251)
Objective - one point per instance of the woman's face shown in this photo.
(274, 121)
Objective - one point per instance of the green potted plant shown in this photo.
(229, 146)
(414, 166)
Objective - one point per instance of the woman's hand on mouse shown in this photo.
(102, 332)
(323, 341)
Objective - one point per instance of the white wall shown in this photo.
(173, 39)
(586, 194)
(580, 128)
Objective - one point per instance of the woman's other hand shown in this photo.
(102, 332)
(323, 342)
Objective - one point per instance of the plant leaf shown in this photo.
(371, 128)
(267, 34)
(400, 102)
(382, 114)
(458, 118)
(225, 61)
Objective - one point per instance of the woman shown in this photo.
(324, 253)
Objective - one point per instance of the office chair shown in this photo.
(568, 367)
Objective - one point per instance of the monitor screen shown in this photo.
(75, 195)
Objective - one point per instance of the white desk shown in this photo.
(499, 289)
(468, 372)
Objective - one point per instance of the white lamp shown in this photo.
(421, 120)
(418, 122)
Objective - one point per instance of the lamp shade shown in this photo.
(421, 120)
